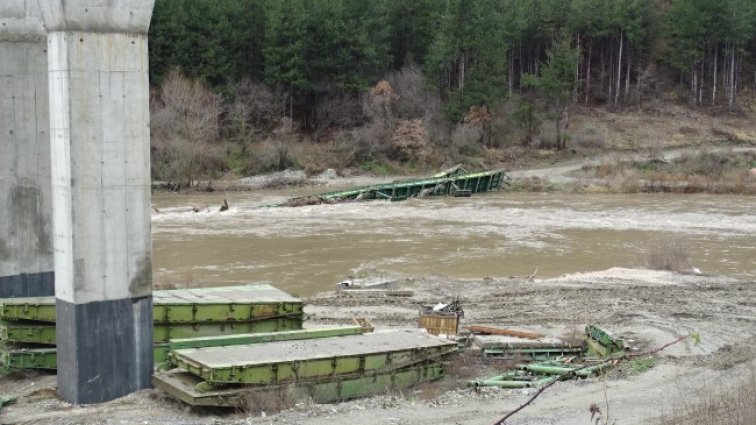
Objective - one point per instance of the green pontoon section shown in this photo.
(28, 358)
(27, 325)
(35, 333)
(27, 332)
(40, 309)
(235, 303)
(168, 332)
(44, 332)
(46, 358)
(304, 360)
(443, 184)
(183, 385)
(222, 341)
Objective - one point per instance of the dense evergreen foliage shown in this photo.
(475, 52)
(311, 63)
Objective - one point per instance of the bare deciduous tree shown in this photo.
(185, 125)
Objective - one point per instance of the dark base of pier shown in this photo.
(104, 349)
(28, 285)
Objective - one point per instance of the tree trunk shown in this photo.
(461, 76)
(731, 90)
(519, 83)
(566, 127)
(714, 77)
(738, 65)
(603, 68)
(694, 84)
(510, 83)
(627, 77)
(619, 69)
(701, 81)
(577, 69)
(588, 71)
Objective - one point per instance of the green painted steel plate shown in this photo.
(169, 331)
(232, 303)
(30, 358)
(287, 361)
(28, 332)
(225, 340)
(43, 333)
(183, 385)
(47, 358)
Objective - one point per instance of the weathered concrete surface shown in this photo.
(103, 353)
(26, 254)
(100, 141)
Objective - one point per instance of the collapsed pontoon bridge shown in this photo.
(453, 182)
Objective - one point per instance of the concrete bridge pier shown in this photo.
(100, 149)
(26, 248)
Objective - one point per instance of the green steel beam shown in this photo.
(183, 385)
(224, 340)
(535, 353)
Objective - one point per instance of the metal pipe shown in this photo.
(546, 370)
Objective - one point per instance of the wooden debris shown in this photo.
(490, 330)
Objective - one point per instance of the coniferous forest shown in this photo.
(366, 73)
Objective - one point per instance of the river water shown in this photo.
(309, 249)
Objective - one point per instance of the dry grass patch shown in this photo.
(668, 253)
(702, 172)
(733, 404)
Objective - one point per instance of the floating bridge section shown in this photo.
(442, 184)
(325, 369)
(224, 344)
(28, 325)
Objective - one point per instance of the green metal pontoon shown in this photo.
(449, 183)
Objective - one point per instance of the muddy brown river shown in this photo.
(309, 249)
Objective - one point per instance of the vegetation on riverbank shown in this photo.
(252, 86)
(703, 171)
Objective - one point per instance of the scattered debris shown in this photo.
(490, 330)
(371, 293)
(603, 342)
(365, 323)
(441, 319)
(6, 400)
(366, 283)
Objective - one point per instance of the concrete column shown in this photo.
(100, 148)
(26, 254)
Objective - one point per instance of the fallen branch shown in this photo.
(572, 372)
